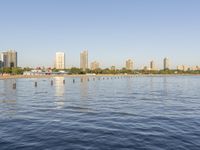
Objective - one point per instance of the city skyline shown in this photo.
(144, 31)
(9, 59)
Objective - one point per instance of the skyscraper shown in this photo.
(84, 60)
(166, 63)
(60, 60)
(10, 59)
(129, 64)
(1, 60)
(152, 65)
(94, 65)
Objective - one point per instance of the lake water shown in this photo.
(120, 113)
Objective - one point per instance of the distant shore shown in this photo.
(84, 75)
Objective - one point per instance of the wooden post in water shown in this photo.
(63, 81)
(35, 84)
(88, 79)
(73, 80)
(51, 82)
(81, 79)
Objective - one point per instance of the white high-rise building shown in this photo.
(60, 60)
(1, 60)
(129, 64)
(84, 60)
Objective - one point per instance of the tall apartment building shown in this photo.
(60, 60)
(129, 64)
(84, 60)
(94, 65)
(1, 60)
(166, 64)
(9, 59)
(152, 65)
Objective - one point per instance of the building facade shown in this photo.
(152, 65)
(129, 64)
(60, 60)
(8, 59)
(1, 60)
(84, 60)
(166, 64)
(94, 65)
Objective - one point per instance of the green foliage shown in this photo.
(15, 71)
(167, 71)
(6, 70)
(55, 70)
(74, 70)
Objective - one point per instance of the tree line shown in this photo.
(74, 70)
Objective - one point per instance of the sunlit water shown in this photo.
(119, 113)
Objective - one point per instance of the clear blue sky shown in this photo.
(111, 30)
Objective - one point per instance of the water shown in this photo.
(127, 113)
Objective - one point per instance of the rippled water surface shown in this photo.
(119, 113)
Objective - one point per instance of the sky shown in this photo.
(111, 30)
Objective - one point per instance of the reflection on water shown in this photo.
(8, 97)
(59, 86)
(8, 90)
(59, 91)
(84, 88)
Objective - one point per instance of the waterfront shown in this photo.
(111, 113)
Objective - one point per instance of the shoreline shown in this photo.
(98, 75)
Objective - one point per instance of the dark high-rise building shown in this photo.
(166, 63)
(10, 59)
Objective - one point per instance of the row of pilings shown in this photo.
(82, 79)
